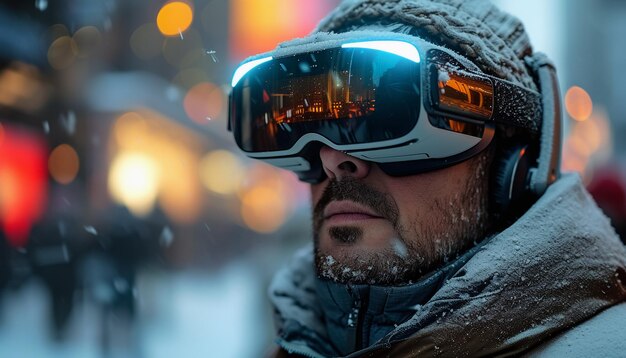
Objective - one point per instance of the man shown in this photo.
(430, 134)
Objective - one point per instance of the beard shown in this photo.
(450, 225)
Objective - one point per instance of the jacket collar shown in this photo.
(360, 315)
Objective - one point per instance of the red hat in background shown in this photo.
(608, 188)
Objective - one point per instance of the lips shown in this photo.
(337, 211)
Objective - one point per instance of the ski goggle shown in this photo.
(407, 105)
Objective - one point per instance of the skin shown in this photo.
(372, 228)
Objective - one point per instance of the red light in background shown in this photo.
(258, 26)
(23, 183)
(204, 102)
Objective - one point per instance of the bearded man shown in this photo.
(430, 134)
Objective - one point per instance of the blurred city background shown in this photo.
(130, 224)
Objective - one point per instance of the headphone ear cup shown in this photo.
(510, 179)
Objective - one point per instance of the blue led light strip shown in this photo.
(247, 67)
(400, 48)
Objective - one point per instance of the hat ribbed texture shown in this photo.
(492, 39)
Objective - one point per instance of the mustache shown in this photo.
(358, 192)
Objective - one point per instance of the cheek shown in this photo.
(412, 208)
(420, 198)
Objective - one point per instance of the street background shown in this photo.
(130, 224)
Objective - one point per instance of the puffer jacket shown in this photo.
(550, 285)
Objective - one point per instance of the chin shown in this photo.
(371, 235)
(364, 267)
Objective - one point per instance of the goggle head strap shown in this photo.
(500, 101)
(549, 160)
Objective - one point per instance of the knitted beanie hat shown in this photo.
(492, 39)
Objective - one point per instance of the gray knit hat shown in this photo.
(494, 40)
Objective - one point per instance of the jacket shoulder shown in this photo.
(602, 335)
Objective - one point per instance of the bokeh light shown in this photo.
(62, 53)
(87, 40)
(63, 164)
(23, 189)
(222, 172)
(21, 89)
(578, 103)
(174, 18)
(128, 130)
(266, 198)
(169, 155)
(180, 190)
(133, 181)
(146, 41)
(180, 193)
(588, 144)
(263, 209)
(258, 26)
(204, 102)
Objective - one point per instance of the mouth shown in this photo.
(343, 212)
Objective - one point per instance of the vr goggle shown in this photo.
(393, 99)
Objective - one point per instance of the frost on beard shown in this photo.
(399, 248)
(376, 270)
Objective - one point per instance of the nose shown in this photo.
(338, 165)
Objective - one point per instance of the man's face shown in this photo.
(372, 228)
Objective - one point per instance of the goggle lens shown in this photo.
(347, 95)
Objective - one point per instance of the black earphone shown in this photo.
(524, 170)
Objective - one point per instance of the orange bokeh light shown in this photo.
(263, 209)
(62, 53)
(258, 26)
(63, 164)
(154, 160)
(204, 102)
(267, 198)
(588, 144)
(578, 103)
(174, 18)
